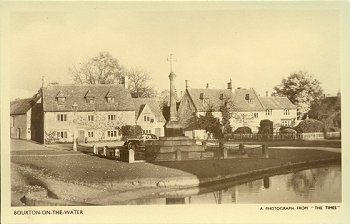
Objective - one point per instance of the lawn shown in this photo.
(94, 170)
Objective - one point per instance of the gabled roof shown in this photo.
(77, 93)
(152, 103)
(242, 104)
(212, 95)
(275, 102)
(21, 106)
(89, 94)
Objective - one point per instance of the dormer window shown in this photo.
(110, 97)
(61, 98)
(221, 96)
(89, 98)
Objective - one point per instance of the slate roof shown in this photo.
(21, 106)
(240, 100)
(152, 103)
(77, 93)
(241, 103)
(275, 102)
(213, 96)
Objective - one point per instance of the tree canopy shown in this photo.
(105, 69)
(101, 69)
(328, 111)
(139, 83)
(301, 89)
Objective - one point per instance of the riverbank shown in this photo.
(84, 178)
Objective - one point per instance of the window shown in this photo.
(269, 112)
(251, 101)
(90, 100)
(286, 112)
(61, 117)
(11, 121)
(61, 134)
(286, 122)
(61, 100)
(145, 118)
(256, 115)
(146, 131)
(111, 117)
(112, 133)
(91, 117)
(90, 134)
(110, 99)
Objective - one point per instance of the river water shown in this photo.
(317, 185)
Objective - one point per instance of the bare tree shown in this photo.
(139, 83)
(102, 69)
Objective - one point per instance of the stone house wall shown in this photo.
(98, 128)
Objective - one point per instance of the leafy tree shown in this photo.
(210, 124)
(102, 69)
(301, 89)
(328, 111)
(139, 83)
(266, 127)
(226, 116)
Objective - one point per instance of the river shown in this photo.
(317, 185)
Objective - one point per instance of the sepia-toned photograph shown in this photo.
(174, 105)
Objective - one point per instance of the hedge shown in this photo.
(243, 130)
(309, 126)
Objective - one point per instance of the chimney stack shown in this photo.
(267, 93)
(229, 85)
(125, 81)
(207, 85)
(186, 84)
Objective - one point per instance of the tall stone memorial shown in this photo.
(174, 146)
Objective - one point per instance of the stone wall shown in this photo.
(100, 125)
(19, 127)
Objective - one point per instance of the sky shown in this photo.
(254, 44)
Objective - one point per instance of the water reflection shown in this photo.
(313, 186)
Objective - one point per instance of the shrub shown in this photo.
(285, 127)
(266, 127)
(243, 130)
(310, 125)
(288, 131)
(131, 130)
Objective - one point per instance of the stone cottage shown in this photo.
(246, 107)
(23, 120)
(148, 115)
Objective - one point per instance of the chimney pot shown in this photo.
(267, 93)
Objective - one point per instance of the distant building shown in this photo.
(95, 112)
(247, 109)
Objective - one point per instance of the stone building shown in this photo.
(149, 115)
(60, 113)
(24, 122)
(246, 107)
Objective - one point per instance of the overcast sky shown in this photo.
(254, 44)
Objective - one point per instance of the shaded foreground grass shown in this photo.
(89, 169)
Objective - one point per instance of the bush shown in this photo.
(131, 130)
(285, 127)
(266, 127)
(288, 131)
(243, 130)
(309, 126)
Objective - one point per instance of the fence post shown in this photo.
(131, 154)
(265, 149)
(95, 149)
